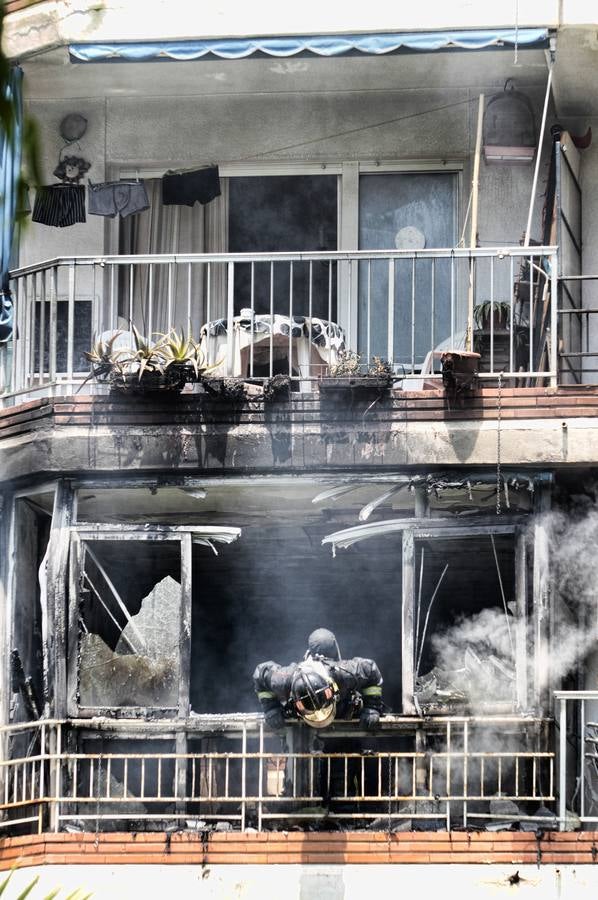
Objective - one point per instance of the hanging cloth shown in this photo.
(112, 198)
(59, 205)
(187, 188)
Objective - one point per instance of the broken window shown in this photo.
(129, 623)
(465, 623)
(130, 613)
(464, 612)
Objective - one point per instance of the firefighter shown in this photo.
(320, 688)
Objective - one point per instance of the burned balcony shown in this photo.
(228, 772)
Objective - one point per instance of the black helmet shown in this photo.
(314, 693)
(322, 642)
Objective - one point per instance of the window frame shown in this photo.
(132, 533)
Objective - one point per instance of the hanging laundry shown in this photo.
(112, 198)
(59, 205)
(187, 188)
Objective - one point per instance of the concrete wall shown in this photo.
(164, 132)
(315, 882)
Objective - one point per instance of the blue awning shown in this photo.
(318, 45)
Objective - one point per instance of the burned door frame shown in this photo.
(529, 537)
(442, 530)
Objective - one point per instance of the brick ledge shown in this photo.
(233, 848)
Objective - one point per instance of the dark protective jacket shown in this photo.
(359, 682)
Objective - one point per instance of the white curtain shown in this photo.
(162, 296)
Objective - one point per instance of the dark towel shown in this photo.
(187, 188)
(59, 205)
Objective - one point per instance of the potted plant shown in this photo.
(142, 369)
(166, 363)
(492, 313)
(348, 373)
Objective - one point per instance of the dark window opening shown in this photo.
(32, 532)
(284, 213)
(465, 629)
(261, 599)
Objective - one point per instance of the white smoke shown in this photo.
(480, 649)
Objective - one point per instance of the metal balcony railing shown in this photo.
(578, 755)
(96, 775)
(264, 314)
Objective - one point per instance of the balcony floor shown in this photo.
(539, 426)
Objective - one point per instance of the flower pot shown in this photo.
(173, 380)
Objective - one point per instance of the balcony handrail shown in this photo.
(49, 775)
(296, 256)
(403, 306)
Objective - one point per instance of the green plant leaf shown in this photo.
(28, 889)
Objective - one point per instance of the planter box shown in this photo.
(362, 384)
(459, 370)
(173, 380)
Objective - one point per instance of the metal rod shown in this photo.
(419, 597)
(116, 596)
(473, 238)
(421, 649)
(532, 201)
(502, 594)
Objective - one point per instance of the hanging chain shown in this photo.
(498, 448)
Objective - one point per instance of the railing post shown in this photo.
(261, 779)
(554, 328)
(42, 773)
(563, 764)
(230, 315)
(55, 747)
(244, 779)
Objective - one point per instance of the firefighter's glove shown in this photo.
(274, 719)
(369, 719)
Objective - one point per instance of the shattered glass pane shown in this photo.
(129, 644)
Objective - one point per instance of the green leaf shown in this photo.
(4, 884)
(28, 889)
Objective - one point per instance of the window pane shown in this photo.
(130, 602)
(405, 212)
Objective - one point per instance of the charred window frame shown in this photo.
(444, 531)
(83, 538)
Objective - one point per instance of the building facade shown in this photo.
(379, 232)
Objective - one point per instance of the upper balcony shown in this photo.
(344, 218)
(296, 314)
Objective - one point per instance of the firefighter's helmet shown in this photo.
(314, 693)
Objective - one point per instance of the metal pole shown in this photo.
(538, 155)
(474, 220)
(562, 763)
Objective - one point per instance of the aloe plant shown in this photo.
(181, 350)
(74, 895)
(147, 355)
(102, 355)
